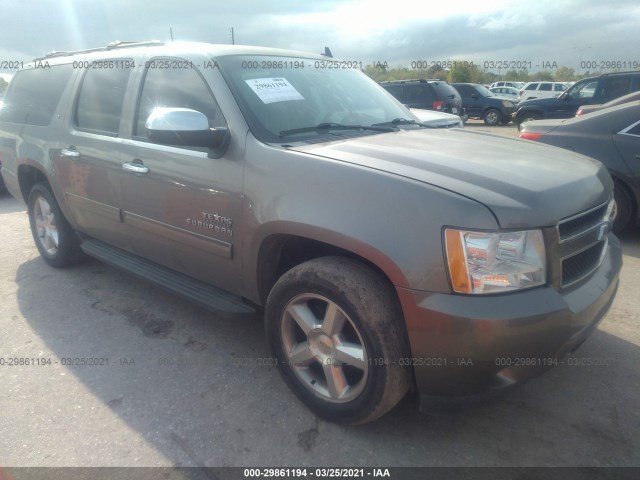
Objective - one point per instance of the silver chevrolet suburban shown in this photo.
(387, 255)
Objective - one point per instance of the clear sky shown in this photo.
(397, 32)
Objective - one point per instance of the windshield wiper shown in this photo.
(335, 126)
(404, 121)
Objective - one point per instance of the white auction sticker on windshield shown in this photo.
(271, 90)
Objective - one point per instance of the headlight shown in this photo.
(493, 262)
(507, 104)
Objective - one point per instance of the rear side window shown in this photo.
(559, 87)
(465, 90)
(545, 87)
(175, 88)
(101, 97)
(419, 93)
(34, 94)
(614, 87)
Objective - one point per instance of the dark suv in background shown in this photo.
(427, 94)
(588, 91)
(479, 102)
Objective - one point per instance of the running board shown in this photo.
(205, 295)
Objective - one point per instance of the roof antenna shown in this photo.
(171, 33)
(327, 52)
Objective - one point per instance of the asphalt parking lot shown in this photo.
(171, 384)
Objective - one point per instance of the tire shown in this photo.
(492, 117)
(624, 208)
(526, 118)
(337, 332)
(57, 242)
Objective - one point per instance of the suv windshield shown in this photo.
(287, 94)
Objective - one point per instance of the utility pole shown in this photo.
(171, 33)
(233, 40)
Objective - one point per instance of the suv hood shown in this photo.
(523, 183)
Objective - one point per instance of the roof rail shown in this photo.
(620, 73)
(110, 46)
(421, 80)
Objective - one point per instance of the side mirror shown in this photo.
(183, 126)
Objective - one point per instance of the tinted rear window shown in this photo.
(444, 90)
(34, 95)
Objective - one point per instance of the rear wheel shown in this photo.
(56, 241)
(492, 117)
(337, 333)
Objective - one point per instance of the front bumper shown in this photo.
(467, 347)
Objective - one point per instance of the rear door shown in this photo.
(89, 168)
(183, 207)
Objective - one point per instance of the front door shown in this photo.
(181, 206)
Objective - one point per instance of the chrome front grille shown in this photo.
(583, 243)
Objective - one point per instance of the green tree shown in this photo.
(564, 74)
(544, 76)
(459, 73)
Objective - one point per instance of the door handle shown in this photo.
(135, 168)
(70, 152)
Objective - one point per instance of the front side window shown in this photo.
(584, 90)
(175, 88)
(533, 86)
(102, 95)
(34, 94)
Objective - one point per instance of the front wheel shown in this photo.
(337, 333)
(492, 117)
(623, 208)
(56, 241)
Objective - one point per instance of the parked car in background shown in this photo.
(479, 102)
(509, 92)
(588, 91)
(505, 83)
(436, 119)
(541, 90)
(584, 109)
(611, 136)
(426, 94)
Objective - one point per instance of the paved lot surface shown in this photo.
(178, 389)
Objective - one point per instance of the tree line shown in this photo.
(466, 73)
